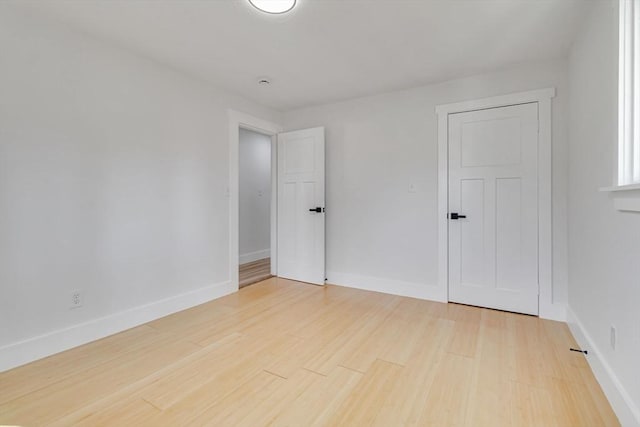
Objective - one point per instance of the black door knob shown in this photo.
(456, 215)
(318, 210)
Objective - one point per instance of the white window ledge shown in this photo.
(625, 197)
(630, 187)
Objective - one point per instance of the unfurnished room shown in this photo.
(320, 213)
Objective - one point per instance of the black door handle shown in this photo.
(455, 215)
(318, 210)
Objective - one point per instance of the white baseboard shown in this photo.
(254, 256)
(553, 311)
(421, 291)
(388, 286)
(35, 348)
(622, 404)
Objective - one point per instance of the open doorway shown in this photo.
(254, 203)
(297, 220)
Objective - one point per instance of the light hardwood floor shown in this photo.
(289, 354)
(254, 272)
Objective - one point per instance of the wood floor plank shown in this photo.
(132, 411)
(288, 354)
(446, 403)
(598, 398)
(232, 409)
(50, 403)
(530, 406)
(317, 404)
(267, 411)
(464, 339)
(42, 373)
(254, 272)
(396, 338)
(363, 405)
(323, 334)
(489, 384)
(350, 338)
(408, 398)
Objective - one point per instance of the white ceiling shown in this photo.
(329, 50)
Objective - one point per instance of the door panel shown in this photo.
(472, 269)
(508, 233)
(301, 233)
(493, 181)
(490, 143)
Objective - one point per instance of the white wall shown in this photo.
(254, 155)
(379, 234)
(604, 256)
(113, 179)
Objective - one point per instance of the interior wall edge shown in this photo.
(627, 411)
(29, 350)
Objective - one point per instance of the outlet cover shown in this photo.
(613, 336)
(76, 299)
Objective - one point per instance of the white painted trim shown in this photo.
(497, 101)
(553, 311)
(625, 197)
(35, 348)
(628, 92)
(387, 286)
(443, 203)
(616, 188)
(623, 405)
(548, 308)
(545, 210)
(254, 256)
(237, 120)
(274, 205)
(627, 204)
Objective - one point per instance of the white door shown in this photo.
(493, 192)
(301, 205)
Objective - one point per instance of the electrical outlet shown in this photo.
(76, 299)
(613, 336)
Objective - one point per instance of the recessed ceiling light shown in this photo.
(273, 6)
(264, 81)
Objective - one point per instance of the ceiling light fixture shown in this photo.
(273, 6)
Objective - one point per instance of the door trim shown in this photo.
(548, 308)
(239, 120)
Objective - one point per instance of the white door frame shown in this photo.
(547, 308)
(239, 120)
